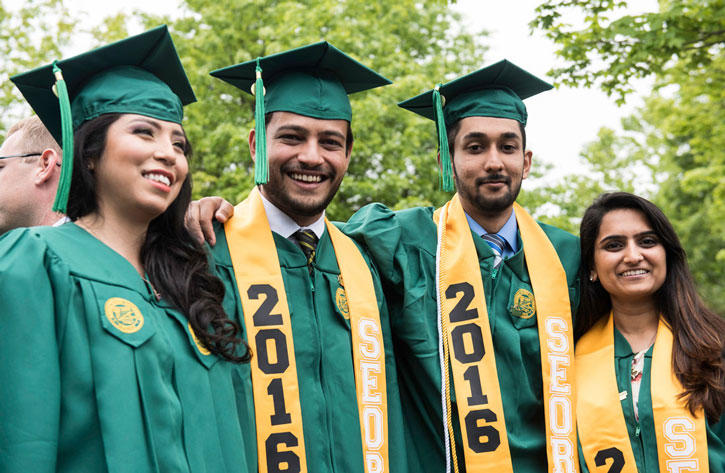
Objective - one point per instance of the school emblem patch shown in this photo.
(124, 315)
(341, 301)
(202, 349)
(524, 304)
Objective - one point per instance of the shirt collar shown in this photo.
(282, 224)
(61, 221)
(508, 232)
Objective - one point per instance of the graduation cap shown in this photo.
(141, 75)
(495, 91)
(312, 80)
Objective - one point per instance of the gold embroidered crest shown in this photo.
(124, 315)
(524, 304)
(202, 349)
(341, 300)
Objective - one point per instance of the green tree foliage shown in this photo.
(29, 36)
(609, 165)
(688, 137)
(678, 136)
(414, 43)
(608, 50)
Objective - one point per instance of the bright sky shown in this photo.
(561, 121)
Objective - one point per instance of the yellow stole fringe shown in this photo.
(681, 437)
(280, 439)
(466, 335)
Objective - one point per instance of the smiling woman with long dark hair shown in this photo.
(650, 370)
(115, 351)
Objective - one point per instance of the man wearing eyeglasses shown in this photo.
(30, 161)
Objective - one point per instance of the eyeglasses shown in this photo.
(26, 155)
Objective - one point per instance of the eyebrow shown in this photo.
(156, 126)
(510, 135)
(148, 121)
(304, 131)
(334, 133)
(479, 135)
(475, 135)
(296, 128)
(619, 237)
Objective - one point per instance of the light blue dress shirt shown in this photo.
(508, 232)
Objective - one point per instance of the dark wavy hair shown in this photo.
(699, 333)
(176, 265)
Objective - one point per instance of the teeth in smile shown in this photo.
(634, 272)
(306, 178)
(158, 178)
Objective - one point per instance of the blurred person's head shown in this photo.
(30, 161)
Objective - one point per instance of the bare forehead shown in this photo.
(13, 144)
(489, 126)
(308, 124)
(625, 222)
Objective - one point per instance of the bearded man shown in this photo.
(481, 294)
(322, 388)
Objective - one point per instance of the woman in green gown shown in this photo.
(115, 352)
(649, 357)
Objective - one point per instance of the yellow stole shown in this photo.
(278, 415)
(681, 437)
(465, 328)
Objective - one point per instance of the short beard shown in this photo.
(275, 192)
(487, 205)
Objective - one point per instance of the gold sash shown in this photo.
(465, 328)
(280, 439)
(681, 438)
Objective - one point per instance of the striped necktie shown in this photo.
(497, 244)
(308, 242)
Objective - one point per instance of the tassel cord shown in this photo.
(446, 176)
(66, 122)
(261, 167)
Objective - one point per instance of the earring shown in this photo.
(592, 278)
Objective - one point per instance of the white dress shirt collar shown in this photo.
(282, 224)
(61, 221)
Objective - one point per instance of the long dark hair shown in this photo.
(176, 264)
(699, 334)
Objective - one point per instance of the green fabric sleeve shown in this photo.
(716, 445)
(30, 390)
(400, 245)
(377, 229)
(582, 462)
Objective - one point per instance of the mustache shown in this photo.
(494, 178)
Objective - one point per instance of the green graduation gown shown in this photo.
(642, 435)
(323, 353)
(403, 245)
(78, 394)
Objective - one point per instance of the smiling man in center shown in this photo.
(322, 390)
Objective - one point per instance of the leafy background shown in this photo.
(671, 149)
